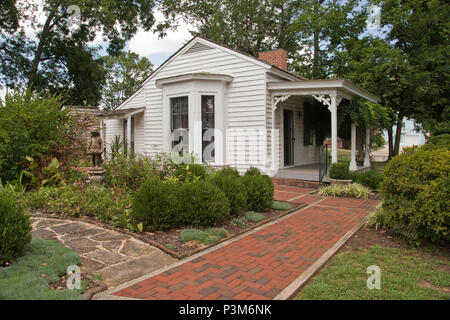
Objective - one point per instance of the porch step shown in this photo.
(295, 183)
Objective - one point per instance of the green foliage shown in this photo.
(353, 190)
(253, 171)
(378, 140)
(254, 216)
(340, 170)
(15, 231)
(278, 205)
(171, 246)
(157, 205)
(43, 176)
(440, 141)
(186, 173)
(441, 128)
(259, 189)
(370, 178)
(71, 176)
(208, 236)
(203, 204)
(127, 172)
(124, 74)
(416, 189)
(29, 277)
(117, 147)
(239, 221)
(31, 126)
(230, 171)
(233, 188)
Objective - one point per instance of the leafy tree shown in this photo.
(250, 26)
(61, 57)
(123, 76)
(324, 27)
(9, 15)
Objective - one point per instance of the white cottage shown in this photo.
(229, 108)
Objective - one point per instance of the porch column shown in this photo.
(128, 133)
(353, 145)
(334, 134)
(367, 149)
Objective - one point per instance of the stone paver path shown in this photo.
(264, 262)
(115, 256)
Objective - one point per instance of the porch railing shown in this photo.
(323, 162)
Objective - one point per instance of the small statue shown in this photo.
(96, 148)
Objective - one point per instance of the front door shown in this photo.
(288, 125)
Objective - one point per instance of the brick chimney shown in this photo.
(276, 57)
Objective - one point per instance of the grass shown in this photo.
(43, 262)
(207, 236)
(378, 166)
(254, 216)
(278, 205)
(170, 246)
(401, 271)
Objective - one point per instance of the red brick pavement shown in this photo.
(261, 264)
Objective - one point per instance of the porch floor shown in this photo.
(309, 172)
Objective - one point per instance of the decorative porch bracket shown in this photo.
(278, 99)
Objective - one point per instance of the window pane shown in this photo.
(208, 152)
(179, 113)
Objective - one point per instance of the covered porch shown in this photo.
(296, 149)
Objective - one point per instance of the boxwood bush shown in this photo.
(233, 188)
(370, 178)
(340, 170)
(259, 189)
(15, 230)
(203, 204)
(157, 206)
(416, 189)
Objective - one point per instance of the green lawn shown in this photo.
(401, 271)
(42, 263)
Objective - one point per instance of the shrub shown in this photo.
(203, 204)
(36, 126)
(253, 171)
(233, 188)
(340, 170)
(190, 172)
(239, 221)
(127, 172)
(278, 205)
(254, 216)
(15, 231)
(416, 190)
(259, 191)
(208, 236)
(157, 206)
(370, 178)
(441, 128)
(353, 190)
(229, 171)
(440, 141)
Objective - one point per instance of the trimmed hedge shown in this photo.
(203, 204)
(370, 178)
(259, 189)
(157, 206)
(340, 170)
(253, 171)
(234, 190)
(229, 171)
(15, 230)
(189, 172)
(416, 189)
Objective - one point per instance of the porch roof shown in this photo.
(121, 113)
(324, 86)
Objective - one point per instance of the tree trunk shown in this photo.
(390, 143)
(398, 134)
(37, 55)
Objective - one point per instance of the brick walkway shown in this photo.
(263, 263)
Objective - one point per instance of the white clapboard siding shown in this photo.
(245, 103)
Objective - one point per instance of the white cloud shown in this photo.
(146, 43)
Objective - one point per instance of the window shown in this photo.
(208, 125)
(179, 124)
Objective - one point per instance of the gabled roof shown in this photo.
(271, 67)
